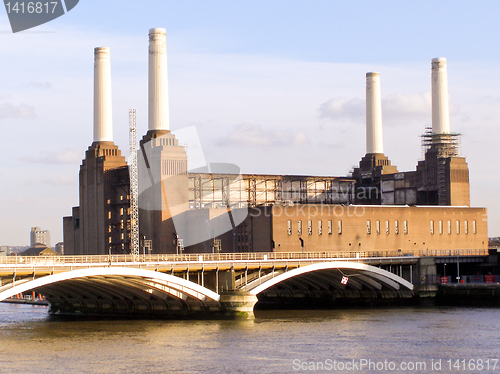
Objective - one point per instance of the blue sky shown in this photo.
(272, 86)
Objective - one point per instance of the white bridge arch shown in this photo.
(104, 289)
(359, 275)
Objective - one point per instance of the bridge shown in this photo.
(224, 284)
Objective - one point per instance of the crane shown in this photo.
(134, 184)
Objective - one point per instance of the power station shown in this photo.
(218, 210)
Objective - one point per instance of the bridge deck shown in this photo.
(21, 266)
(224, 257)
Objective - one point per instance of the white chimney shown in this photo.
(374, 141)
(440, 105)
(158, 81)
(103, 116)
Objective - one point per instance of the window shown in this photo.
(449, 227)
(330, 229)
(387, 228)
(368, 227)
(432, 227)
(289, 227)
(121, 211)
(109, 215)
(339, 227)
(299, 227)
(458, 227)
(474, 227)
(378, 227)
(405, 227)
(309, 227)
(466, 227)
(320, 228)
(440, 227)
(396, 227)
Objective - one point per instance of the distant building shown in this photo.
(13, 251)
(59, 248)
(39, 250)
(39, 236)
(4, 251)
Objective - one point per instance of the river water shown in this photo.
(393, 340)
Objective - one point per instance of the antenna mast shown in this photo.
(134, 185)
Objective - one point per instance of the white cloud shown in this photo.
(40, 86)
(406, 107)
(255, 136)
(353, 109)
(65, 156)
(61, 180)
(396, 109)
(22, 111)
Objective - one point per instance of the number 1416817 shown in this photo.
(472, 365)
(31, 7)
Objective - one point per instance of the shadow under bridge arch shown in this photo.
(340, 279)
(118, 291)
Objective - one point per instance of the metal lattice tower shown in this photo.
(134, 184)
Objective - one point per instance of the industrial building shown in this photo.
(376, 208)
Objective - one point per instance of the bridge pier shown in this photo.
(426, 284)
(226, 280)
(238, 304)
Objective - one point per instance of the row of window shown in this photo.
(122, 212)
(387, 227)
(121, 198)
(378, 227)
(121, 238)
(339, 227)
(449, 226)
(310, 227)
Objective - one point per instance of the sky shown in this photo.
(272, 86)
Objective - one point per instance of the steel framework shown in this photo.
(134, 184)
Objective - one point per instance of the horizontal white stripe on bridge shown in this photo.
(124, 260)
(199, 263)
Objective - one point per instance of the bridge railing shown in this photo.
(247, 256)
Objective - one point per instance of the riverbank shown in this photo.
(483, 294)
(25, 301)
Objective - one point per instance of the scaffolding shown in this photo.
(440, 147)
(446, 145)
(238, 191)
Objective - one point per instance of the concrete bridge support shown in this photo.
(425, 285)
(238, 304)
